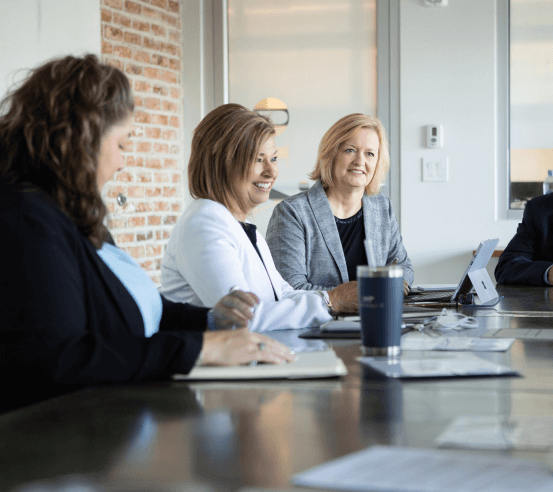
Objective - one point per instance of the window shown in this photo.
(531, 98)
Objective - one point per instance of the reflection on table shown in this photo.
(225, 436)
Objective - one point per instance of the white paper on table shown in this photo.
(515, 314)
(465, 365)
(397, 469)
(353, 323)
(492, 432)
(418, 342)
(529, 333)
(298, 345)
(436, 287)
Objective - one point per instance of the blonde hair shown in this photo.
(338, 133)
(224, 148)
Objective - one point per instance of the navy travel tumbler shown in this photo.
(381, 306)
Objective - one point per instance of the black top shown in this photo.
(66, 320)
(250, 230)
(352, 234)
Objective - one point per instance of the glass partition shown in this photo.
(306, 63)
(531, 98)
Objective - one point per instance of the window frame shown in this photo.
(503, 101)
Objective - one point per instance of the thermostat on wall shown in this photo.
(434, 136)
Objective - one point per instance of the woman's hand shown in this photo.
(235, 310)
(344, 298)
(235, 347)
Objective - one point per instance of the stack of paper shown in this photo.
(437, 367)
(423, 342)
(435, 287)
(529, 333)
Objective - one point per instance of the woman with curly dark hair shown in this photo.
(74, 309)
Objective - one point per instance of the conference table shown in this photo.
(206, 436)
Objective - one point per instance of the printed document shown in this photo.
(492, 432)
(436, 367)
(398, 469)
(529, 333)
(417, 342)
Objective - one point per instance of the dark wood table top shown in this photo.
(229, 435)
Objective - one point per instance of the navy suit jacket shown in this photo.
(66, 321)
(530, 253)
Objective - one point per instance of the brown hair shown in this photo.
(51, 128)
(338, 133)
(224, 148)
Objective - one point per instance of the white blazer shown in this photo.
(209, 252)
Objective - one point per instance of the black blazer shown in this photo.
(530, 253)
(66, 321)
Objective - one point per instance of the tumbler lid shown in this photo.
(392, 271)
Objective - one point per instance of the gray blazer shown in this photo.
(305, 244)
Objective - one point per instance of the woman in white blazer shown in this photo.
(213, 247)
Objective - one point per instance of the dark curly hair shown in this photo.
(51, 128)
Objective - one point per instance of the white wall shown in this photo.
(33, 31)
(447, 60)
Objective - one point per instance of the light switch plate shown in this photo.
(435, 169)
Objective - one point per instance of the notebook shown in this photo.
(323, 364)
(350, 326)
(476, 276)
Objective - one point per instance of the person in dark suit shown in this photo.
(528, 257)
(75, 310)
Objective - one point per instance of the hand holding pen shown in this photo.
(235, 310)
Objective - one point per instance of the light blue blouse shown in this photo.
(137, 282)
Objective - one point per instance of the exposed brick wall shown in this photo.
(143, 38)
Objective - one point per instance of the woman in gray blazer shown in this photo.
(316, 237)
